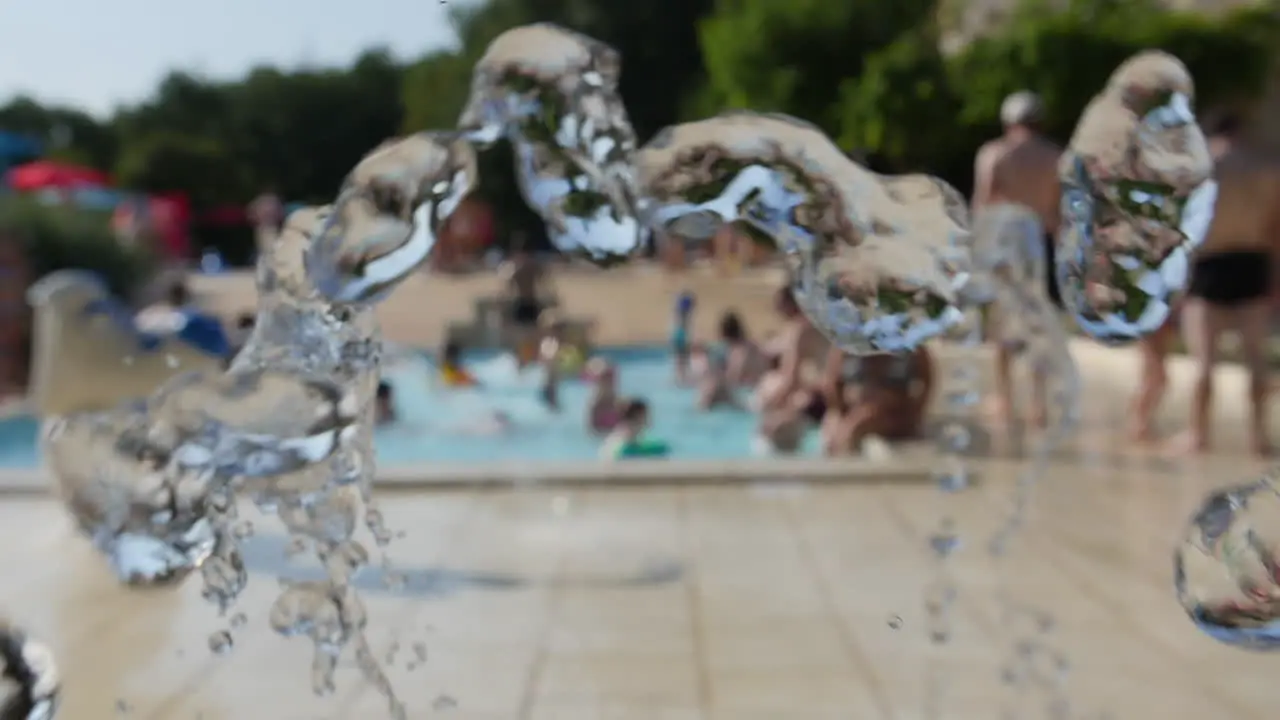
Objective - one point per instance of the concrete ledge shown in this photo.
(600, 473)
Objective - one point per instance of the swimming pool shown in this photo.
(443, 425)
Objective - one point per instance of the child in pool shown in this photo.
(604, 408)
(385, 405)
(627, 439)
(452, 373)
(680, 347)
(551, 351)
(714, 389)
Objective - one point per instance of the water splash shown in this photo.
(1137, 200)
(553, 93)
(1226, 572)
(876, 262)
(29, 682)
(141, 480)
(1009, 269)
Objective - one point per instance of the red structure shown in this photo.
(45, 175)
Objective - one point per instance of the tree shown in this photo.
(1068, 56)
(791, 56)
(200, 167)
(895, 108)
(67, 134)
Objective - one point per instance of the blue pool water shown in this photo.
(440, 424)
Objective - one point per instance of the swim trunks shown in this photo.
(525, 311)
(1231, 277)
(1051, 270)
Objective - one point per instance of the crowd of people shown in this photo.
(795, 382)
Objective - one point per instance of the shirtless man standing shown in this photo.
(1021, 167)
(1232, 281)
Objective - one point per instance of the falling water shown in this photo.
(29, 683)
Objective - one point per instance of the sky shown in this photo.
(97, 54)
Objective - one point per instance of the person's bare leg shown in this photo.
(1201, 326)
(1001, 403)
(1153, 383)
(1254, 324)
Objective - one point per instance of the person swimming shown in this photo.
(452, 372)
(384, 405)
(714, 389)
(628, 441)
(604, 408)
(745, 362)
(551, 351)
(680, 335)
(877, 395)
(786, 411)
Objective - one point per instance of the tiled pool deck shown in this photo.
(741, 602)
(774, 597)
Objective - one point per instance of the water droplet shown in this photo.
(1138, 197)
(221, 643)
(944, 544)
(444, 702)
(238, 620)
(29, 679)
(952, 481)
(895, 622)
(1227, 567)
(956, 438)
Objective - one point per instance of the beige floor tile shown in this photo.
(801, 606)
(810, 643)
(606, 711)
(618, 679)
(778, 691)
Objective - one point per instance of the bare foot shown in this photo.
(1142, 431)
(1188, 443)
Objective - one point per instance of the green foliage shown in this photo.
(58, 239)
(167, 162)
(791, 56)
(1068, 56)
(895, 107)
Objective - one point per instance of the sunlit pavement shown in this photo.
(743, 602)
(738, 602)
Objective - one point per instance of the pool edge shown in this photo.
(594, 474)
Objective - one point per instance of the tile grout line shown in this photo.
(555, 584)
(862, 663)
(465, 517)
(693, 597)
